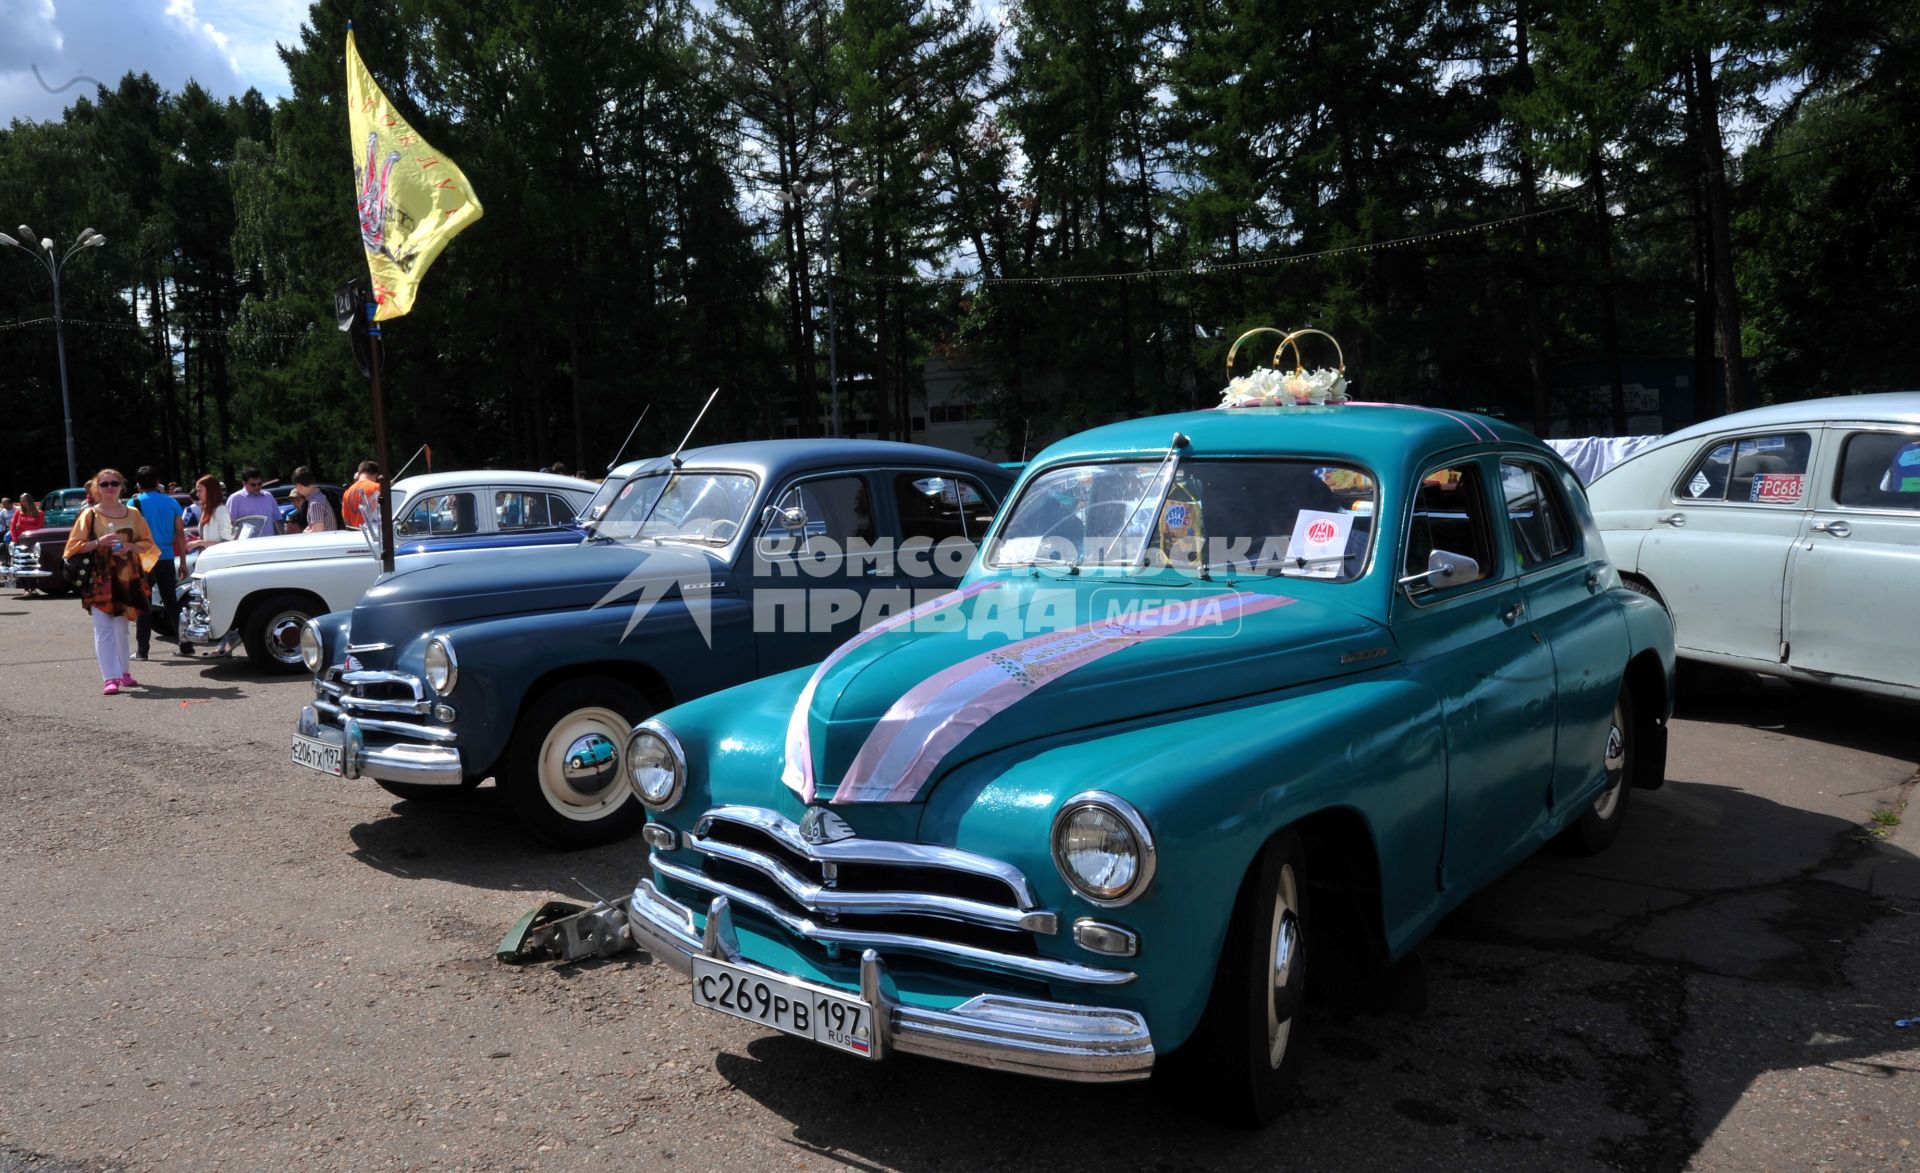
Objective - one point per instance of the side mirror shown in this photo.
(1444, 569)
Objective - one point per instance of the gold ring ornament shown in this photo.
(1274, 386)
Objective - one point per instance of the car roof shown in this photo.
(775, 458)
(1882, 407)
(428, 482)
(1374, 434)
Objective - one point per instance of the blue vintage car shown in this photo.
(1229, 695)
(697, 572)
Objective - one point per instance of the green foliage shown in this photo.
(676, 192)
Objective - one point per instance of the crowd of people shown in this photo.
(128, 550)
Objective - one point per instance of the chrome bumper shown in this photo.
(196, 625)
(1057, 1040)
(402, 761)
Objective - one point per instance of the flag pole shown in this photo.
(374, 346)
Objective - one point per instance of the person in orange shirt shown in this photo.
(116, 537)
(363, 496)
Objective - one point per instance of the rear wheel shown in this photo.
(1250, 1040)
(1599, 824)
(566, 775)
(271, 632)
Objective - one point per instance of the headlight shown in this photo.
(311, 653)
(1103, 848)
(656, 764)
(443, 671)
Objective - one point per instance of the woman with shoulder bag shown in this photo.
(117, 549)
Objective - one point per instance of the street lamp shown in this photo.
(88, 238)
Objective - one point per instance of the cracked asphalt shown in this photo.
(219, 960)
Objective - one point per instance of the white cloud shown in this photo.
(28, 31)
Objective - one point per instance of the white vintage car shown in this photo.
(263, 590)
(1783, 540)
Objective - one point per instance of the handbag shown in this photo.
(81, 569)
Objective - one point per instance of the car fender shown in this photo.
(1214, 786)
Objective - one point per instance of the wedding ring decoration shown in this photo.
(1273, 386)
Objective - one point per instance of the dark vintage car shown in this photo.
(531, 666)
(34, 562)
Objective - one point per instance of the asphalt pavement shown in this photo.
(219, 960)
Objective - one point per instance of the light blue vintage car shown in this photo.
(1228, 696)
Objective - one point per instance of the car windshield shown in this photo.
(704, 507)
(1296, 518)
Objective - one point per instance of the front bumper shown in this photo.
(400, 761)
(1057, 1040)
(196, 625)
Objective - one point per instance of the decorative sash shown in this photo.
(906, 746)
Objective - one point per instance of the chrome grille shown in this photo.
(938, 903)
(392, 702)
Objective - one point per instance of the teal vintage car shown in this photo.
(1227, 695)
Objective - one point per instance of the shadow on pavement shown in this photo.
(469, 837)
(1607, 1012)
(1829, 715)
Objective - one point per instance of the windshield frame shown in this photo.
(991, 560)
(746, 521)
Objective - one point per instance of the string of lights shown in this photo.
(1205, 268)
(197, 331)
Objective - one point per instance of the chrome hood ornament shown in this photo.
(821, 826)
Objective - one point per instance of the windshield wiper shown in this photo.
(1162, 477)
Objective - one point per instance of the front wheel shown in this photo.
(271, 632)
(1250, 1039)
(1597, 827)
(566, 776)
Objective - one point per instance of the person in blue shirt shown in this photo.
(163, 516)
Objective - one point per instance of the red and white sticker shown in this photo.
(1777, 488)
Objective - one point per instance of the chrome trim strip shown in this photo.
(831, 900)
(356, 649)
(397, 728)
(381, 676)
(873, 850)
(1057, 1040)
(1044, 968)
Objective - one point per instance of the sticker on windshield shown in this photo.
(1777, 488)
(1699, 484)
(1320, 540)
(1770, 444)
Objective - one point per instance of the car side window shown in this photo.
(1758, 470)
(1880, 470)
(514, 510)
(1450, 514)
(1535, 516)
(837, 508)
(940, 506)
(439, 514)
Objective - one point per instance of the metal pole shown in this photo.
(66, 401)
(833, 333)
(380, 439)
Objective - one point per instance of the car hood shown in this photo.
(280, 548)
(889, 714)
(434, 590)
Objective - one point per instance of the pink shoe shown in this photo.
(110, 688)
(127, 681)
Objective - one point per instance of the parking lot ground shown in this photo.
(218, 960)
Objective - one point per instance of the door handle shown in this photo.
(1838, 529)
(1676, 519)
(1513, 613)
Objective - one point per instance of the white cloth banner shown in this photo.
(1592, 455)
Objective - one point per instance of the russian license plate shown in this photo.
(828, 1018)
(315, 754)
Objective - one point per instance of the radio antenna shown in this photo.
(696, 425)
(629, 439)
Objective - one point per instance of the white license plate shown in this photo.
(316, 754)
(826, 1017)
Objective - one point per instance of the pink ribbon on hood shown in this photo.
(906, 746)
(797, 774)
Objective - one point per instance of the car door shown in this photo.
(1584, 633)
(1718, 549)
(1474, 645)
(1851, 591)
(807, 565)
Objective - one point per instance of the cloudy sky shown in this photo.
(226, 45)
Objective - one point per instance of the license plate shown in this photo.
(316, 754)
(826, 1017)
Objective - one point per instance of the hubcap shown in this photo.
(1283, 951)
(283, 636)
(580, 763)
(1616, 764)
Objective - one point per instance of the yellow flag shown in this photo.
(412, 199)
